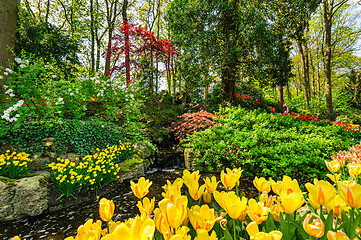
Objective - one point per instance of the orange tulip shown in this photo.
(207, 197)
(141, 188)
(106, 209)
(316, 228)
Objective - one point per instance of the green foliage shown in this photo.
(82, 137)
(269, 144)
(92, 172)
(15, 165)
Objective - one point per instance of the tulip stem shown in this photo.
(234, 229)
(108, 227)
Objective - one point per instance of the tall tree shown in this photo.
(9, 15)
(330, 7)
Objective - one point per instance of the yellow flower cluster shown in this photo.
(92, 171)
(231, 215)
(15, 165)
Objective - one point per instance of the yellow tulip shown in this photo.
(291, 202)
(333, 165)
(337, 205)
(287, 185)
(257, 212)
(147, 206)
(316, 228)
(172, 192)
(195, 191)
(334, 177)
(174, 212)
(202, 217)
(230, 202)
(89, 230)
(254, 233)
(141, 188)
(190, 178)
(161, 224)
(351, 195)
(339, 235)
(16, 238)
(262, 184)
(231, 178)
(140, 230)
(211, 184)
(320, 193)
(203, 235)
(181, 234)
(354, 170)
(106, 209)
(276, 210)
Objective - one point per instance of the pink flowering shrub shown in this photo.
(192, 122)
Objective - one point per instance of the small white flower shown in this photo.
(9, 91)
(18, 60)
(17, 115)
(12, 95)
(9, 70)
(69, 89)
(6, 73)
(53, 76)
(46, 66)
(22, 66)
(71, 94)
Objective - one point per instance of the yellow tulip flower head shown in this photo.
(211, 184)
(195, 191)
(257, 212)
(351, 194)
(337, 205)
(291, 202)
(276, 210)
(202, 217)
(230, 202)
(174, 212)
(316, 228)
(146, 206)
(190, 178)
(333, 165)
(287, 185)
(89, 230)
(138, 231)
(106, 209)
(141, 188)
(321, 192)
(262, 185)
(339, 235)
(354, 169)
(181, 234)
(161, 224)
(254, 233)
(334, 177)
(16, 238)
(231, 178)
(203, 235)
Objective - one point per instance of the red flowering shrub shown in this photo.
(192, 122)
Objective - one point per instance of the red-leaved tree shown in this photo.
(133, 41)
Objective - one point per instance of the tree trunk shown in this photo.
(327, 62)
(305, 73)
(9, 17)
(280, 98)
(92, 38)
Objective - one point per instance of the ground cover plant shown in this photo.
(267, 144)
(214, 210)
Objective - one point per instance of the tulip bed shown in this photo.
(15, 165)
(281, 210)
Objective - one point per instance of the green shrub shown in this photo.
(82, 137)
(269, 144)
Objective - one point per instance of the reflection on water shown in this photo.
(64, 222)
